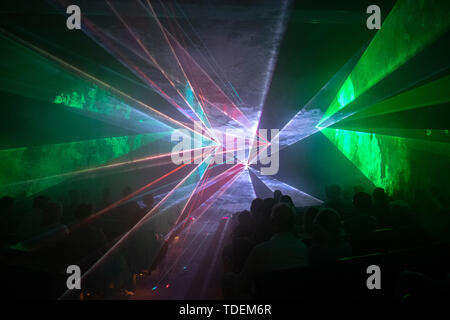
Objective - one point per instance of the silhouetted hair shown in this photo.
(379, 197)
(257, 205)
(328, 220)
(308, 219)
(287, 199)
(268, 204)
(244, 217)
(277, 195)
(282, 217)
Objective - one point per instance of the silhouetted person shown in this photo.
(263, 230)
(381, 207)
(130, 210)
(29, 226)
(297, 217)
(287, 200)
(145, 242)
(334, 199)
(362, 222)
(87, 238)
(277, 196)
(245, 225)
(282, 251)
(328, 242)
(241, 240)
(52, 229)
(256, 209)
(308, 224)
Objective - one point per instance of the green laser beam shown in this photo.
(430, 94)
(409, 27)
(33, 163)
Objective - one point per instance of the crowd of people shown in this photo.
(276, 235)
(52, 235)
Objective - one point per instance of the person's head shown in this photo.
(268, 204)
(308, 219)
(126, 191)
(148, 200)
(256, 206)
(277, 195)
(333, 192)
(282, 218)
(52, 214)
(288, 200)
(245, 218)
(327, 224)
(379, 197)
(362, 202)
(83, 211)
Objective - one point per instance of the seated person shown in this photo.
(362, 222)
(328, 242)
(381, 208)
(277, 196)
(308, 224)
(282, 251)
(52, 230)
(334, 199)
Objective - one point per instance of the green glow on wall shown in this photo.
(93, 99)
(35, 163)
(412, 136)
(409, 27)
(27, 73)
(384, 160)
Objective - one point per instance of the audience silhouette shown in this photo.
(274, 235)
